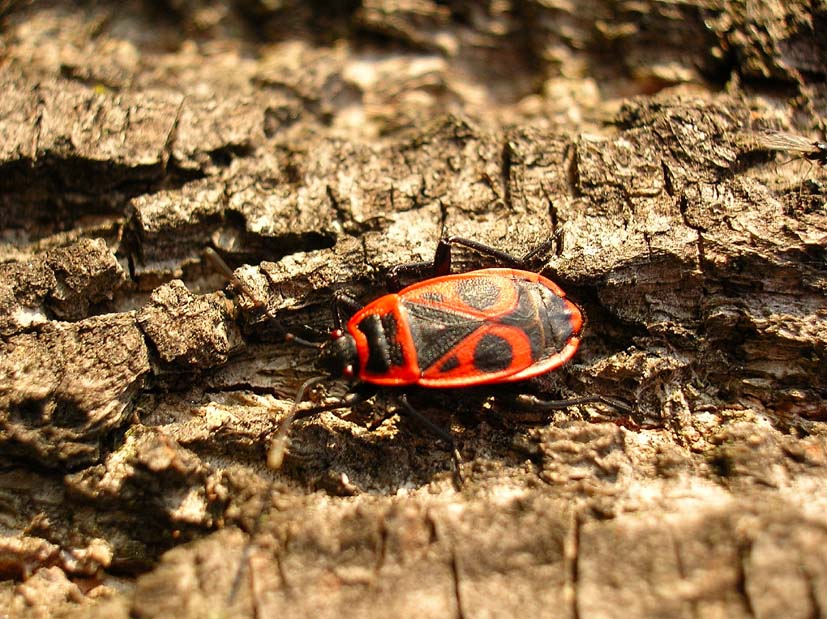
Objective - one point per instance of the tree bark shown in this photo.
(313, 149)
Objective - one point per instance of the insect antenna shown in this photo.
(290, 337)
(238, 284)
(275, 454)
(275, 457)
(222, 267)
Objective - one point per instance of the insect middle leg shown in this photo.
(533, 403)
(441, 264)
(358, 394)
(442, 433)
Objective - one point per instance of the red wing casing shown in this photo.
(481, 327)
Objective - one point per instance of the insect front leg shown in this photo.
(344, 306)
(278, 444)
(358, 394)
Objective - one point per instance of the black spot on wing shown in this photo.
(436, 331)
(492, 353)
(451, 363)
(478, 292)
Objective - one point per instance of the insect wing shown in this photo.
(488, 326)
(485, 294)
(490, 354)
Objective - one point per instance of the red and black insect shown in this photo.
(452, 331)
(478, 328)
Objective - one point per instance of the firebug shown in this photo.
(489, 326)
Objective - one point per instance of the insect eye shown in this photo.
(348, 371)
(336, 334)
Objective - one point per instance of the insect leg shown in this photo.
(441, 264)
(344, 306)
(408, 270)
(275, 457)
(442, 433)
(442, 257)
(532, 402)
(360, 393)
(275, 454)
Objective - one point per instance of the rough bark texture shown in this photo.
(321, 146)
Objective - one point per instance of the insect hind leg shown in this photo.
(408, 271)
(442, 257)
(441, 264)
(532, 402)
